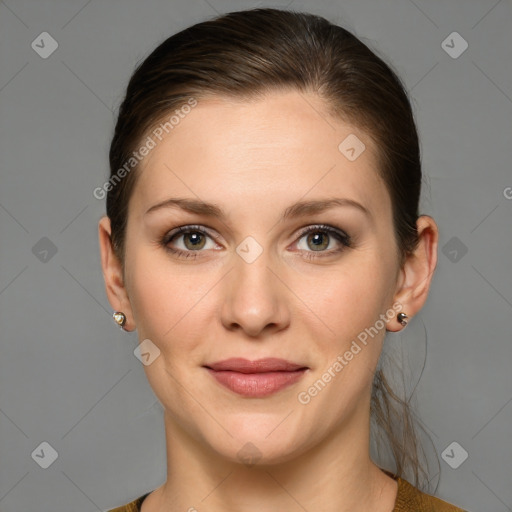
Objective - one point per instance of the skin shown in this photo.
(253, 160)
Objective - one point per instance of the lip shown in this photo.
(258, 378)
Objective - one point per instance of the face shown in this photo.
(259, 277)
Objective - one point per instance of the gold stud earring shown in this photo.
(401, 317)
(120, 318)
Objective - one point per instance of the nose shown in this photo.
(254, 298)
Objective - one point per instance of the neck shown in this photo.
(335, 476)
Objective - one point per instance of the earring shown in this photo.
(120, 318)
(401, 317)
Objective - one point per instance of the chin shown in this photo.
(260, 443)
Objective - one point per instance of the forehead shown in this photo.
(275, 150)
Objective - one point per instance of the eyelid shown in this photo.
(304, 231)
(188, 229)
(327, 228)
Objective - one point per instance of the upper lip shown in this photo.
(268, 364)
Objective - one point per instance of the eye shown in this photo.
(193, 240)
(321, 237)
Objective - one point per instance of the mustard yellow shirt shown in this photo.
(408, 499)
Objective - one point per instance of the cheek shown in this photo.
(165, 304)
(151, 298)
(348, 302)
(167, 299)
(345, 299)
(153, 303)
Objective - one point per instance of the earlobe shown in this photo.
(113, 274)
(417, 271)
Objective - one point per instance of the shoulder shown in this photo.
(134, 506)
(411, 499)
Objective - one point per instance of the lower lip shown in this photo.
(256, 385)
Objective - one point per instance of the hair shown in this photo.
(247, 54)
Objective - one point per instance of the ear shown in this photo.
(416, 274)
(113, 274)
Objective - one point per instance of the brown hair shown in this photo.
(247, 54)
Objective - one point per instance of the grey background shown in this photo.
(68, 375)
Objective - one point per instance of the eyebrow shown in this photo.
(299, 209)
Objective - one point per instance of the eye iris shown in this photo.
(317, 239)
(196, 240)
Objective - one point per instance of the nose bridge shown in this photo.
(254, 297)
(252, 280)
(251, 268)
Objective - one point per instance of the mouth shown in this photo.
(256, 379)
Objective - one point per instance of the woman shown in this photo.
(262, 235)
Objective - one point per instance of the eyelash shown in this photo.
(343, 238)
